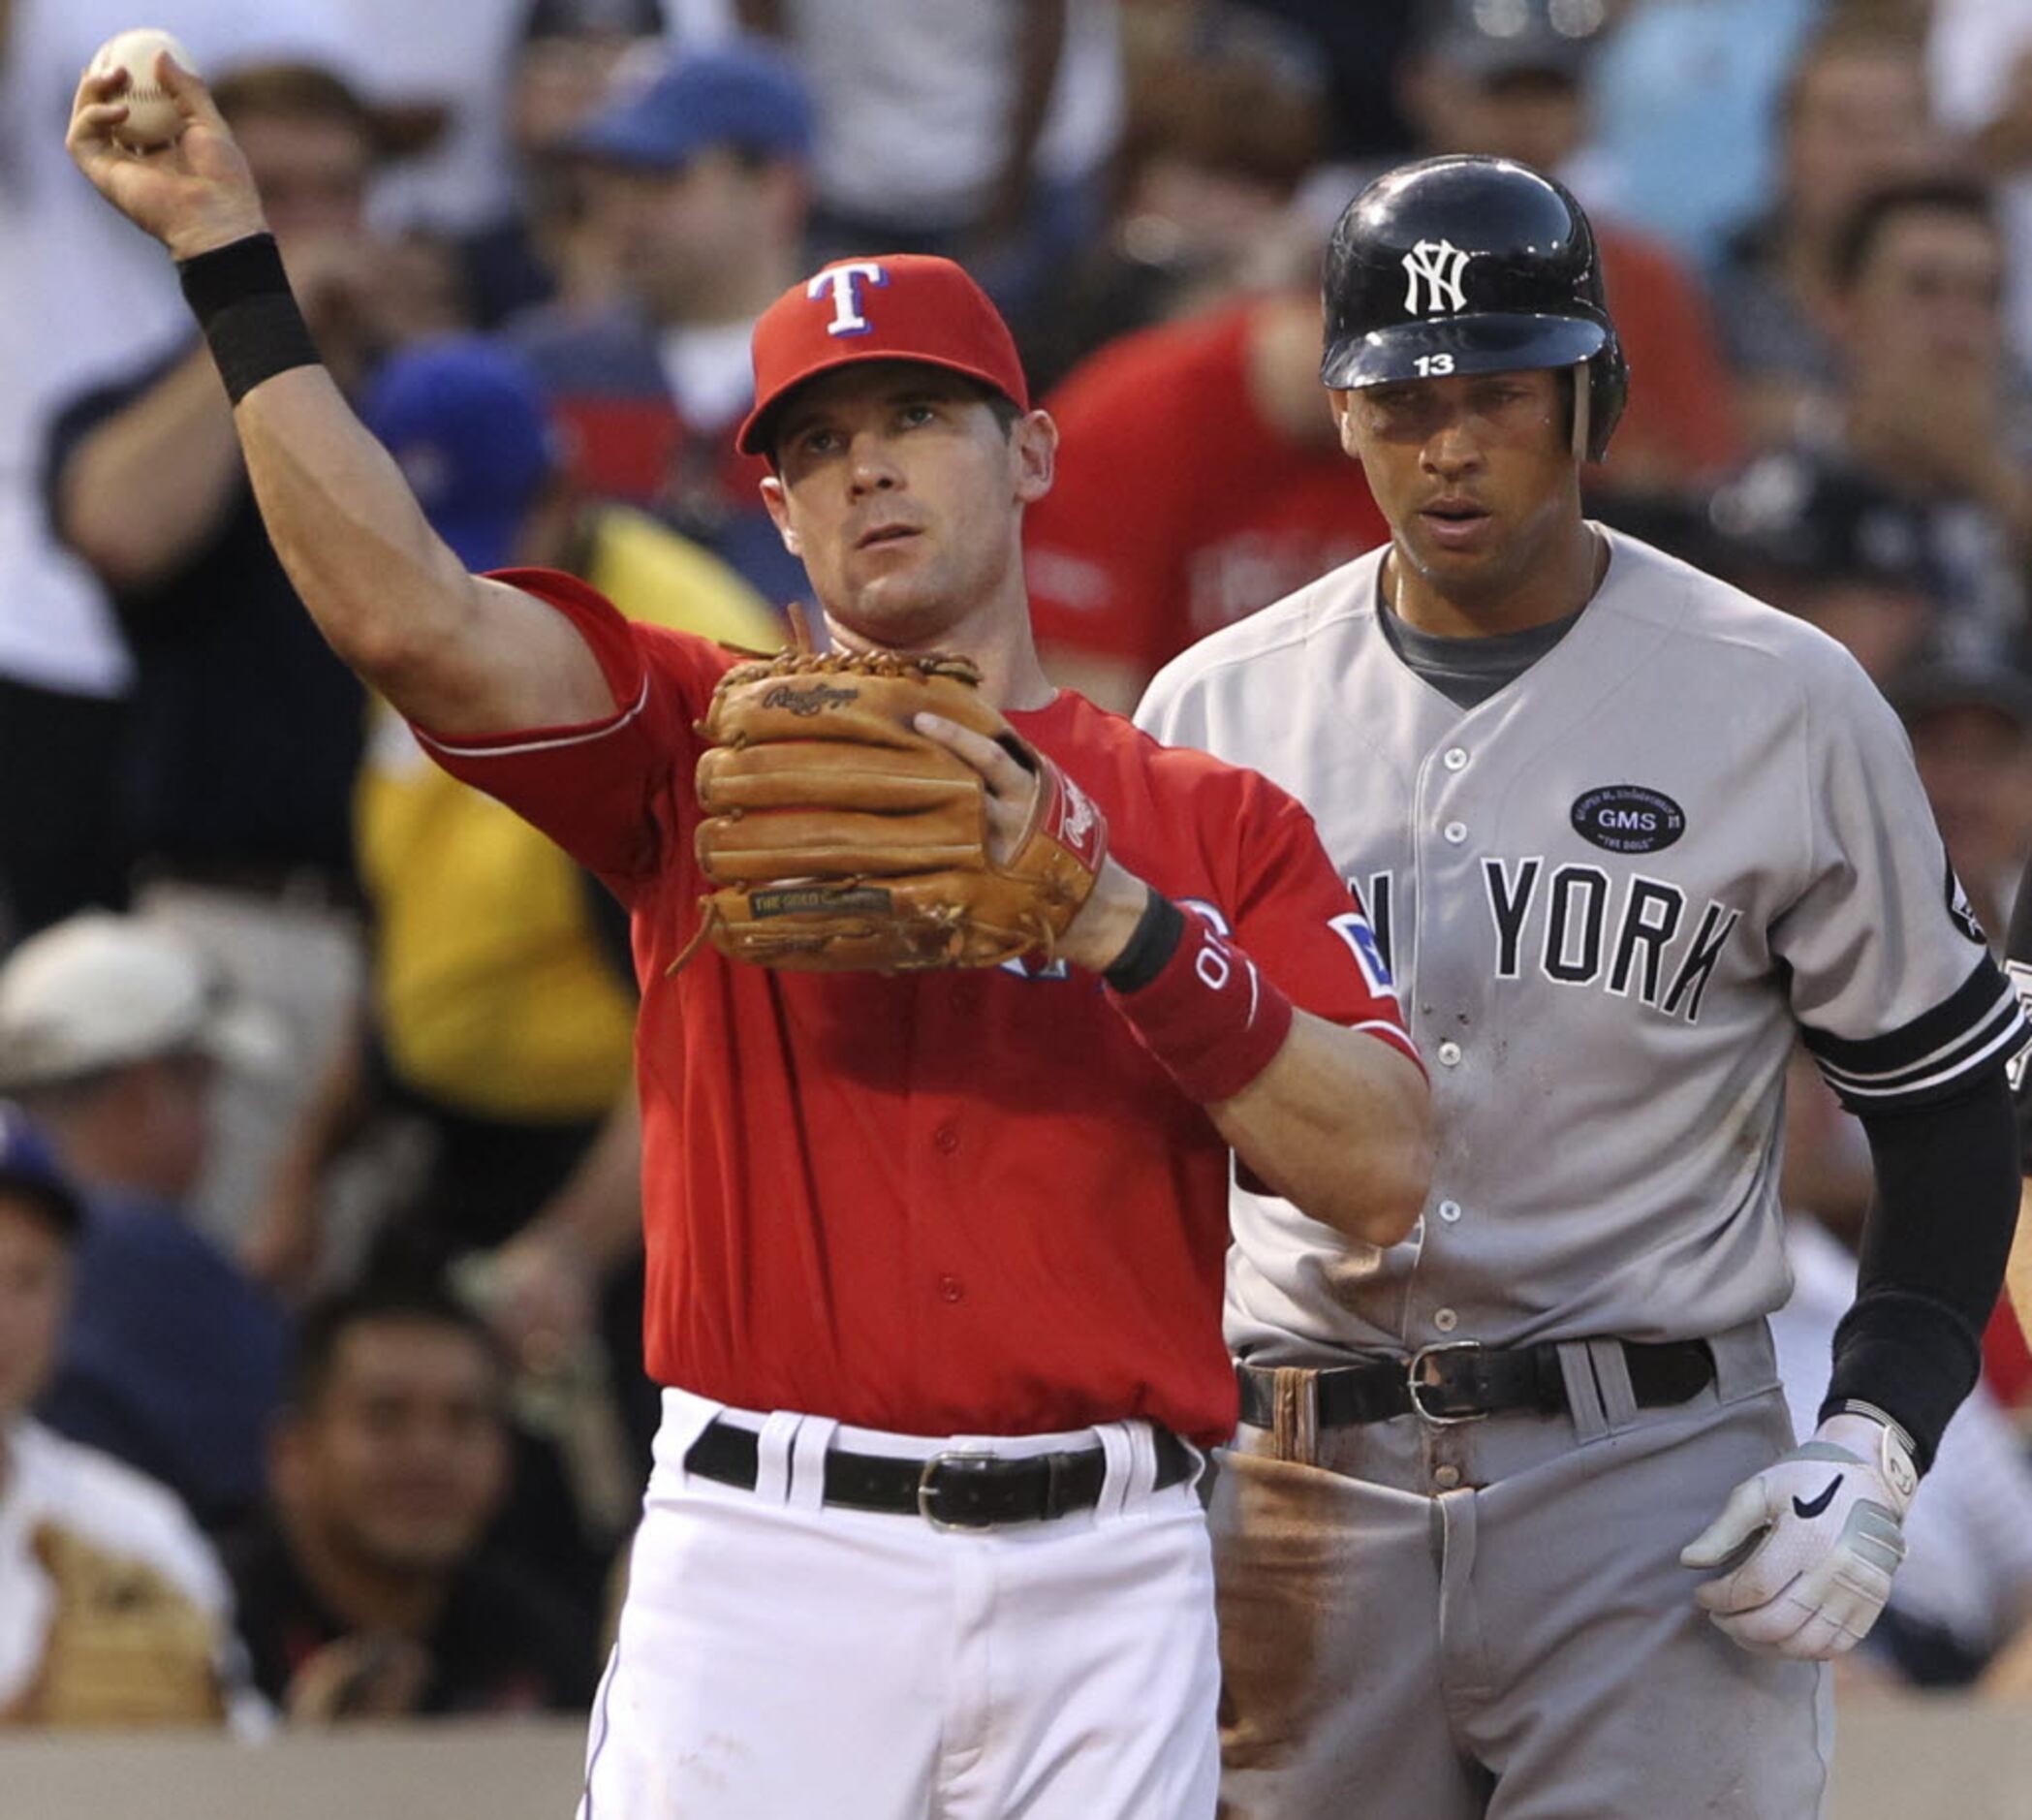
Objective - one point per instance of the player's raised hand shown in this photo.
(192, 193)
(1808, 1547)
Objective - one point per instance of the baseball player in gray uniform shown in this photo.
(1515, 1524)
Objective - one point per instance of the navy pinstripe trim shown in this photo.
(1978, 1025)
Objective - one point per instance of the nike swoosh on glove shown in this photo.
(1810, 1544)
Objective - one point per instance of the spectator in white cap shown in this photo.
(112, 1034)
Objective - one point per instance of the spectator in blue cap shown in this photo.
(465, 419)
(698, 177)
(743, 97)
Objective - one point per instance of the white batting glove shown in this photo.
(1810, 1543)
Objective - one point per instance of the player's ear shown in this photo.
(772, 496)
(1343, 405)
(1034, 443)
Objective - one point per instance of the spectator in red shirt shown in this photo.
(1199, 478)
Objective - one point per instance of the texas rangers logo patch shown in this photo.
(1628, 817)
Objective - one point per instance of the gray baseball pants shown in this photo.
(1423, 1623)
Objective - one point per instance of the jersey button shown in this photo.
(1446, 1319)
(1449, 1211)
(946, 1139)
(1455, 833)
(1456, 758)
(1445, 1477)
(1449, 1054)
(951, 1289)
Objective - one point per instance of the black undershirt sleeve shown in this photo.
(1933, 1258)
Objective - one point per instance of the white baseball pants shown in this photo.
(779, 1660)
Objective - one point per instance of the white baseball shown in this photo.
(152, 118)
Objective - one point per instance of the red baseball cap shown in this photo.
(893, 307)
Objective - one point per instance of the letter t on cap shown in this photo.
(843, 282)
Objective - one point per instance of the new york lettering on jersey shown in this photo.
(1588, 927)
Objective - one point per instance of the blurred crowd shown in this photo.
(320, 1276)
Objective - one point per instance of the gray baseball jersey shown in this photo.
(1610, 895)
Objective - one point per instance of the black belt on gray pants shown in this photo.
(949, 1490)
(1462, 1380)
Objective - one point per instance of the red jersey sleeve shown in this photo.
(613, 792)
(1304, 925)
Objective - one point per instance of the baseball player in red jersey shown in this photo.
(935, 1260)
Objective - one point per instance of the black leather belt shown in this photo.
(951, 1491)
(1463, 1380)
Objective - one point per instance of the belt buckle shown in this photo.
(928, 1487)
(1416, 1363)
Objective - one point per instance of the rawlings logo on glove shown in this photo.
(1810, 1544)
(838, 837)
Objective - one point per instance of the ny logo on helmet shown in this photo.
(1439, 265)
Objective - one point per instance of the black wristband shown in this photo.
(242, 299)
(1151, 942)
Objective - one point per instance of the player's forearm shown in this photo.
(1340, 1123)
(1933, 1258)
(148, 488)
(1337, 1120)
(384, 588)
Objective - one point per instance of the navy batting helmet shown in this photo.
(1472, 266)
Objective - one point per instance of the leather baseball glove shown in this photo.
(841, 839)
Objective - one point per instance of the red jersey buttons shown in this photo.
(946, 1139)
(951, 1289)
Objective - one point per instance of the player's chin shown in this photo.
(899, 610)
